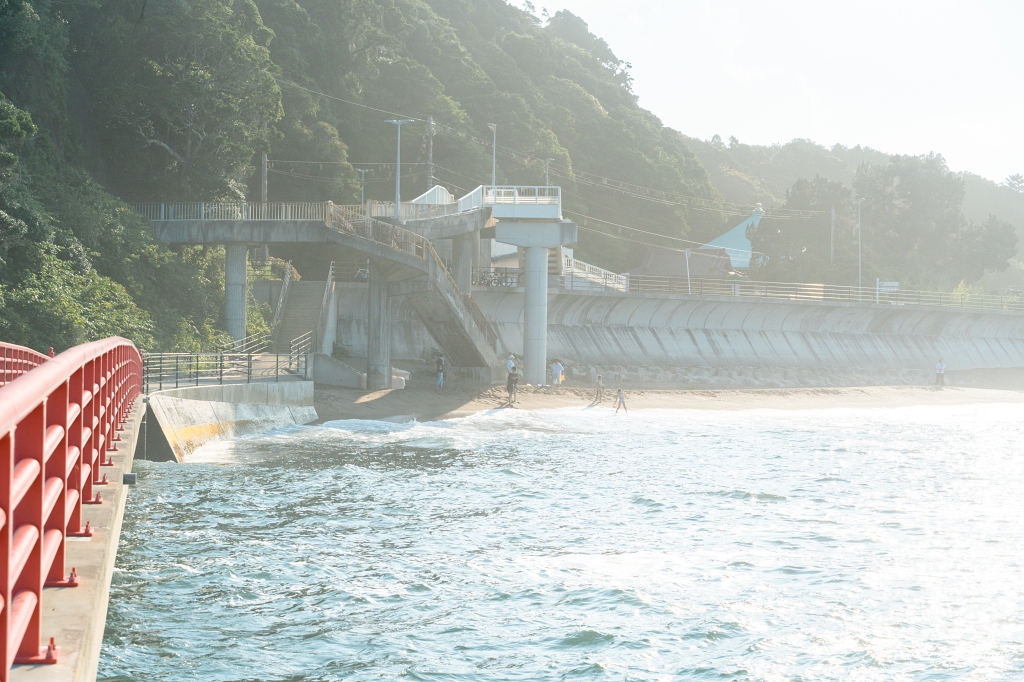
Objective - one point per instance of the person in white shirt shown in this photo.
(940, 373)
(556, 373)
(511, 364)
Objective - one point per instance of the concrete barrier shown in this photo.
(181, 420)
(603, 328)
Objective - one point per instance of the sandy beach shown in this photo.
(426, 404)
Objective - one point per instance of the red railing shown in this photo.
(17, 360)
(56, 423)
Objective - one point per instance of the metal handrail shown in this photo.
(177, 370)
(282, 298)
(321, 325)
(58, 422)
(200, 210)
(18, 360)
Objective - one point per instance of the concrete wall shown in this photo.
(181, 420)
(651, 329)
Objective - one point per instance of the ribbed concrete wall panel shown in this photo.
(605, 328)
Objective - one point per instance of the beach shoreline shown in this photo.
(426, 404)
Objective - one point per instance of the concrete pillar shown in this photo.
(462, 262)
(235, 289)
(535, 333)
(378, 330)
(474, 249)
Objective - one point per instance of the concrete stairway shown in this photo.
(301, 312)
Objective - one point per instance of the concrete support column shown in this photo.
(535, 336)
(378, 330)
(235, 288)
(462, 262)
(474, 240)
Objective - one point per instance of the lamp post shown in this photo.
(860, 282)
(398, 169)
(547, 164)
(494, 157)
(362, 183)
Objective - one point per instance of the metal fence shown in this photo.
(784, 291)
(302, 210)
(177, 370)
(17, 360)
(58, 421)
(343, 220)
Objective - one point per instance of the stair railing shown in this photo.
(325, 313)
(281, 300)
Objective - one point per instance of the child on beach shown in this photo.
(620, 401)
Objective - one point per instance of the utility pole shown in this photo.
(860, 282)
(430, 152)
(832, 243)
(398, 169)
(362, 184)
(494, 157)
(547, 164)
(263, 192)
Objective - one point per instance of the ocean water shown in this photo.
(579, 545)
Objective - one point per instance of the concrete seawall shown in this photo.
(654, 329)
(181, 420)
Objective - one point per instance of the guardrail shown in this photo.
(448, 287)
(325, 313)
(176, 370)
(17, 360)
(797, 291)
(303, 210)
(783, 291)
(57, 422)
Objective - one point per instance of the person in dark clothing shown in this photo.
(440, 371)
(510, 385)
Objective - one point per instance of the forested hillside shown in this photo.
(106, 101)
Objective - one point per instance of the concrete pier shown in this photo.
(535, 315)
(536, 237)
(235, 287)
(378, 350)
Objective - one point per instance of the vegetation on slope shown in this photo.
(111, 100)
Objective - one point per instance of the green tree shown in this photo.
(1015, 182)
(802, 247)
(914, 230)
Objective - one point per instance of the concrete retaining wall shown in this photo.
(651, 329)
(181, 420)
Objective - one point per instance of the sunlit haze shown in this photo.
(908, 77)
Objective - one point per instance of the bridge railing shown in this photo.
(57, 422)
(162, 371)
(17, 360)
(301, 210)
(343, 220)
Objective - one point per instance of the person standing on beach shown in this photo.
(556, 373)
(620, 401)
(510, 385)
(440, 371)
(600, 389)
(940, 373)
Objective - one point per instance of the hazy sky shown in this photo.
(902, 76)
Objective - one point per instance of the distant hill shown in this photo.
(748, 174)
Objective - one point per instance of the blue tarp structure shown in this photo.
(735, 241)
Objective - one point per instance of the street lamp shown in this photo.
(547, 163)
(362, 183)
(860, 282)
(494, 157)
(398, 169)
